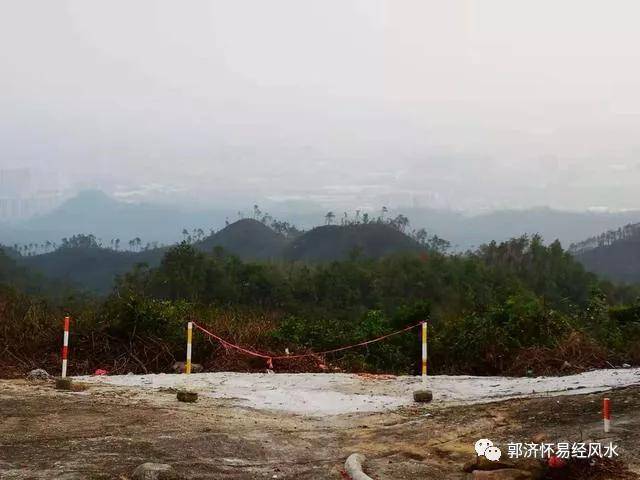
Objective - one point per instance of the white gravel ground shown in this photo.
(332, 394)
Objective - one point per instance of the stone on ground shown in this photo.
(422, 396)
(189, 397)
(38, 374)
(155, 471)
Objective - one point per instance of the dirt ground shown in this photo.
(106, 431)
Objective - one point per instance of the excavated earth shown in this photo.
(105, 431)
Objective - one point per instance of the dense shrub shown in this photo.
(507, 307)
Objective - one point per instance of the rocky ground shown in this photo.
(106, 431)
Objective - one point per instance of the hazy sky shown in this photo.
(452, 103)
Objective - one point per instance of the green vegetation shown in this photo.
(516, 307)
(83, 260)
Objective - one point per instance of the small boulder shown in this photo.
(422, 396)
(38, 374)
(186, 396)
(179, 367)
(155, 471)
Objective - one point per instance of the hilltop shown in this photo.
(249, 239)
(338, 242)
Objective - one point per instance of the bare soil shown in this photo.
(104, 432)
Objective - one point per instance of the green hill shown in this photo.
(614, 254)
(14, 273)
(248, 239)
(89, 268)
(83, 263)
(333, 242)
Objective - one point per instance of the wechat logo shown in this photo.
(485, 448)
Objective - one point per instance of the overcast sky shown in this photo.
(468, 104)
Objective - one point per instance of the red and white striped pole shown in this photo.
(606, 414)
(65, 346)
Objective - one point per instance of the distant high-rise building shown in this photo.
(15, 183)
(22, 195)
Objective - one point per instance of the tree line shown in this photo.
(628, 232)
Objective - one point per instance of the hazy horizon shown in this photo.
(463, 105)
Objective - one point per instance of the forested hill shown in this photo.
(87, 266)
(614, 254)
(15, 274)
(333, 242)
(249, 239)
(83, 262)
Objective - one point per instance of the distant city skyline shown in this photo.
(25, 193)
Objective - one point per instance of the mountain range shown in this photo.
(94, 212)
(94, 268)
(614, 254)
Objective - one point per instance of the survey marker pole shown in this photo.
(187, 365)
(606, 414)
(65, 346)
(424, 349)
